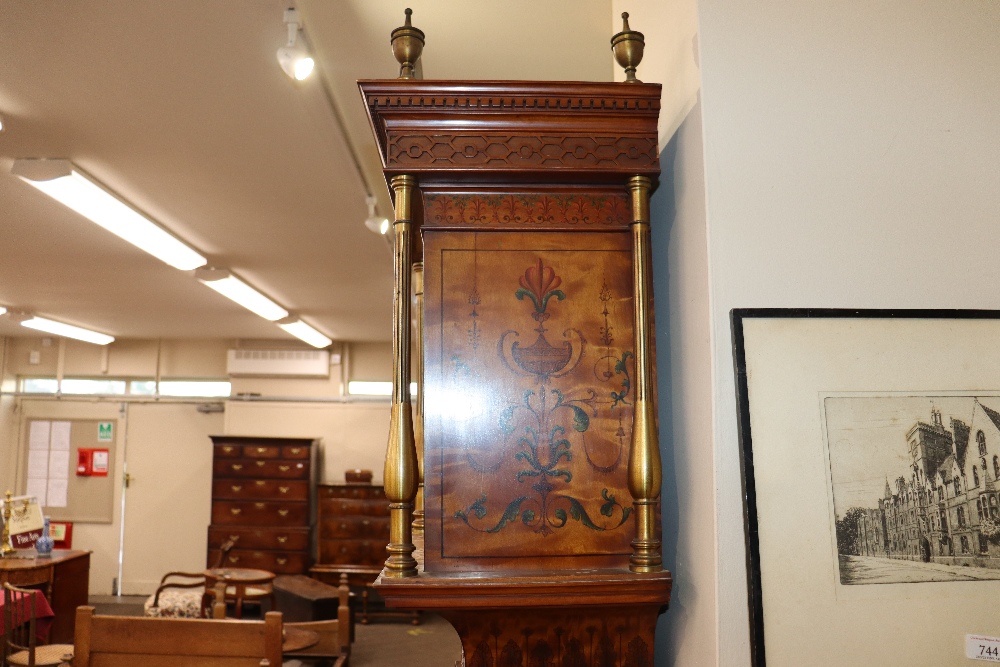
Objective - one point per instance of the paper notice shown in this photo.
(38, 488)
(38, 464)
(60, 435)
(58, 464)
(38, 436)
(57, 492)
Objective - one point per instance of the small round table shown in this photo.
(246, 584)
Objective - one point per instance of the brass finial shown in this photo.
(627, 46)
(5, 546)
(407, 45)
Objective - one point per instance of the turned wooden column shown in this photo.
(644, 474)
(401, 473)
(418, 416)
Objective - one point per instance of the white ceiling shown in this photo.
(180, 107)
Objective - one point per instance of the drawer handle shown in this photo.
(227, 449)
(284, 489)
(234, 537)
(235, 510)
(281, 561)
(260, 464)
(284, 468)
(261, 450)
(296, 450)
(282, 539)
(237, 466)
(234, 559)
(282, 512)
(260, 482)
(237, 488)
(366, 523)
(259, 506)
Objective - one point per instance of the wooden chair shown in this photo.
(334, 643)
(20, 639)
(182, 594)
(124, 641)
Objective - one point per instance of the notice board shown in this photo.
(49, 471)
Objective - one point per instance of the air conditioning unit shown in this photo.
(278, 363)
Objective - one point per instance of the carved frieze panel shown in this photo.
(464, 150)
(529, 368)
(526, 210)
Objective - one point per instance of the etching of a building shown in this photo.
(944, 508)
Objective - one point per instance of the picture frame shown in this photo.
(856, 427)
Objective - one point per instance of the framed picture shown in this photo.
(62, 534)
(870, 445)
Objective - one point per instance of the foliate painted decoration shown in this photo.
(549, 452)
(526, 210)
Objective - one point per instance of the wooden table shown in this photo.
(241, 579)
(64, 578)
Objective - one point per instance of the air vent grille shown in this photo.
(278, 363)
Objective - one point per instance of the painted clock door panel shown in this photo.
(529, 365)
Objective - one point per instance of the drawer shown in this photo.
(356, 552)
(357, 491)
(261, 451)
(355, 526)
(330, 507)
(292, 538)
(295, 452)
(265, 513)
(228, 451)
(263, 489)
(278, 562)
(261, 469)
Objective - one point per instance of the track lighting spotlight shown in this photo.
(294, 57)
(377, 224)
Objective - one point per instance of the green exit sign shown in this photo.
(105, 431)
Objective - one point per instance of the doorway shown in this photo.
(168, 470)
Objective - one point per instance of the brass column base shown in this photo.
(401, 562)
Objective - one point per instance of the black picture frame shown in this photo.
(738, 318)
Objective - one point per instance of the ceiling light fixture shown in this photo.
(304, 332)
(64, 182)
(2, 310)
(294, 57)
(231, 287)
(376, 223)
(67, 330)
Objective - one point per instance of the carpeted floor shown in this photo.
(433, 643)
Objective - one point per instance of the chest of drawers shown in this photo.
(354, 524)
(264, 495)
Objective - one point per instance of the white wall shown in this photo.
(851, 154)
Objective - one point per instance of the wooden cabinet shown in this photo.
(264, 494)
(353, 525)
(353, 529)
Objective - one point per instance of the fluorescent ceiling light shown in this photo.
(64, 182)
(306, 333)
(233, 288)
(67, 330)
